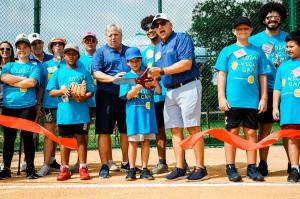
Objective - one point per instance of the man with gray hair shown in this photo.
(109, 64)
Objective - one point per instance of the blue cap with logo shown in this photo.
(133, 52)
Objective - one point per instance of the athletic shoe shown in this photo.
(54, 166)
(138, 170)
(112, 166)
(160, 168)
(289, 168)
(198, 174)
(31, 173)
(64, 174)
(84, 175)
(125, 167)
(263, 168)
(75, 168)
(146, 174)
(5, 173)
(23, 165)
(104, 171)
(176, 174)
(44, 170)
(294, 176)
(131, 175)
(232, 173)
(186, 167)
(253, 173)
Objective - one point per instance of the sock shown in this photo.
(64, 166)
(52, 159)
(296, 166)
(82, 165)
(162, 161)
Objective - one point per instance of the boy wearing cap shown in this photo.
(20, 79)
(242, 67)
(272, 42)
(49, 104)
(71, 83)
(140, 115)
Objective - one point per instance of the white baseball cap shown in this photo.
(34, 36)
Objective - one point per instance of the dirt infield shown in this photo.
(217, 186)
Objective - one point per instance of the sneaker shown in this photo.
(75, 168)
(289, 168)
(138, 170)
(104, 171)
(125, 167)
(186, 167)
(198, 174)
(54, 166)
(31, 173)
(112, 166)
(44, 170)
(23, 165)
(146, 174)
(84, 175)
(232, 173)
(64, 174)
(5, 173)
(294, 176)
(176, 174)
(263, 168)
(160, 168)
(253, 173)
(131, 175)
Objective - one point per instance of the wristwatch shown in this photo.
(162, 72)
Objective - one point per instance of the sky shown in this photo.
(70, 18)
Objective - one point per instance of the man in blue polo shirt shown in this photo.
(174, 61)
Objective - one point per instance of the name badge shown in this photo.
(52, 69)
(268, 47)
(240, 53)
(296, 72)
(157, 56)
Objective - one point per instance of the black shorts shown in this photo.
(110, 109)
(67, 130)
(159, 114)
(237, 117)
(267, 117)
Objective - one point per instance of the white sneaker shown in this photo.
(45, 169)
(112, 166)
(23, 165)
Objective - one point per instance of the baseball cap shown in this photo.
(241, 20)
(33, 37)
(71, 47)
(54, 40)
(22, 38)
(133, 52)
(160, 16)
(87, 34)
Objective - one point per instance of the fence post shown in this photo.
(159, 6)
(37, 16)
(292, 18)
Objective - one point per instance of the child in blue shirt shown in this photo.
(72, 110)
(140, 115)
(242, 93)
(287, 92)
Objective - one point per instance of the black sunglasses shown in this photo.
(148, 26)
(5, 49)
(162, 23)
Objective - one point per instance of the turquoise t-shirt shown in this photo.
(274, 48)
(17, 98)
(148, 60)
(243, 65)
(70, 111)
(86, 60)
(140, 111)
(48, 68)
(288, 84)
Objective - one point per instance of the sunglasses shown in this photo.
(273, 17)
(148, 26)
(162, 23)
(90, 40)
(5, 49)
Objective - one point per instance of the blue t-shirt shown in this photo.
(242, 83)
(70, 111)
(179, 46)
(148, 60)
(48, 68)
(110, 62)
(140, 111)
(274, 48)
(289, 86)
(86, 60)
(17, 98)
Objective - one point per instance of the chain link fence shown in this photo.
(208, 22)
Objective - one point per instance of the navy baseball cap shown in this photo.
(241, 20)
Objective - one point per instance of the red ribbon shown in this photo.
(27, 125)
(225, 136)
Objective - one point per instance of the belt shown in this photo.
(183, 83)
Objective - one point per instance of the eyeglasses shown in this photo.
(58, 43)
(162, 23)
(5, 49)
(92, 40)
(273, 17)
(148, 26)
(37, 43)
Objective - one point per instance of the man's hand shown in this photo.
(117, 76)
(154, 71)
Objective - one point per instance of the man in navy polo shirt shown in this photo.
(174, 61)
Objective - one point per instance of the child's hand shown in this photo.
(262, 106)
(224, 105)
(276, 114)
(65, 90)
(277, 61)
